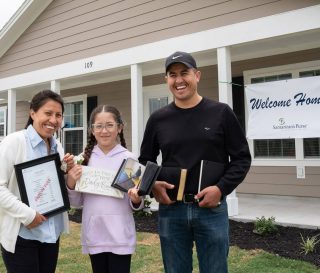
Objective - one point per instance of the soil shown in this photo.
(286, 242)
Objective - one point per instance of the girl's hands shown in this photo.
(74, 175)
(133, 195)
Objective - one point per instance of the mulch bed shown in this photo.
(286, 242)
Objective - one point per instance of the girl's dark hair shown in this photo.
(40, 99)
(91, 138)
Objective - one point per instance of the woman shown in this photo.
(108, 229)
(30, 241)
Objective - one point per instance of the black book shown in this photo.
(177, 177)
(131, 173)
(210, 173)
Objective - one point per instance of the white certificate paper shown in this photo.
(42, 187)
(97, 181)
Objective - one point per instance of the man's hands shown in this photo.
(211, 197)
(159, 191)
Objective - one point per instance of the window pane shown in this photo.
(274, 148)
(1, 116)
(284, 77)
(311, 147)
(271, 78)
(73, 142)
(257, 80)
(73, 116)
(1, 130)
(261, 148)
(157, 103)
(310, 73)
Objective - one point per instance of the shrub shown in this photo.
(308, 244)
(146, 211)
(265, 226)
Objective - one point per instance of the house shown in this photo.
(113, 52)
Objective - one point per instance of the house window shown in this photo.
(75, 124)
(311, 146)
(157, 103)
(273, 148)
(3, 122)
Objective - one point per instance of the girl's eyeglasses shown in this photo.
(98, 127)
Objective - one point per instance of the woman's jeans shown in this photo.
(182, 224)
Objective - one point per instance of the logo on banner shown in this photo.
(282, 125)
(281, 121)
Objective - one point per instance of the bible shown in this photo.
(210, 173)
(177, 177)
(133, 174)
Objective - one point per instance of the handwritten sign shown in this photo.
(97, 181)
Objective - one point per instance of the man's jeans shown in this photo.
(180, 224)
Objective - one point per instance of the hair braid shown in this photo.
(88, 150)
(122, 140)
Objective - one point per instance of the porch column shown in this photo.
(55, 86)
(136, 108)
(12, 105)
(225, 95)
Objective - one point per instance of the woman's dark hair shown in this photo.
(42, 98)
(91, 138)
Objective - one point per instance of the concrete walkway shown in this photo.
(288, 211)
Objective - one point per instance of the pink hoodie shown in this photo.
(107, 222)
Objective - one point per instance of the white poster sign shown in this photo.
(284, 109)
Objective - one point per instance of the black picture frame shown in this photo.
(42, 186)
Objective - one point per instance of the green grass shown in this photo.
(147, 258)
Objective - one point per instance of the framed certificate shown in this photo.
(42, 186)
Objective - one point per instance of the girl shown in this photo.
(30, 241)
(108, 229)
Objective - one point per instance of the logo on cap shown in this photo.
(175, 57)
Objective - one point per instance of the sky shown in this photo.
(7, 9)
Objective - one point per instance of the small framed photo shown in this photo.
(42, 186)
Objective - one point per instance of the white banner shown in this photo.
(284, 109)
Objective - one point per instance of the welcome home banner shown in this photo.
(284, 109)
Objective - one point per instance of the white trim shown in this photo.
(12, 109)
(294, 69)
(136, 108)
(4, 110)
(224, 75)
(82, 98)
(271, 26)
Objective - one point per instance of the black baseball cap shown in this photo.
(181, 57)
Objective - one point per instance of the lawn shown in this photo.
(147, 258)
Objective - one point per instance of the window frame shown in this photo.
(83, 99)
(4, 110)
(294, 69)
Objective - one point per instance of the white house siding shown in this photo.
(70, 30)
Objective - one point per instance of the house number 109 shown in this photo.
(88, 65)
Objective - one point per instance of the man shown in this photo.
(191, 129)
